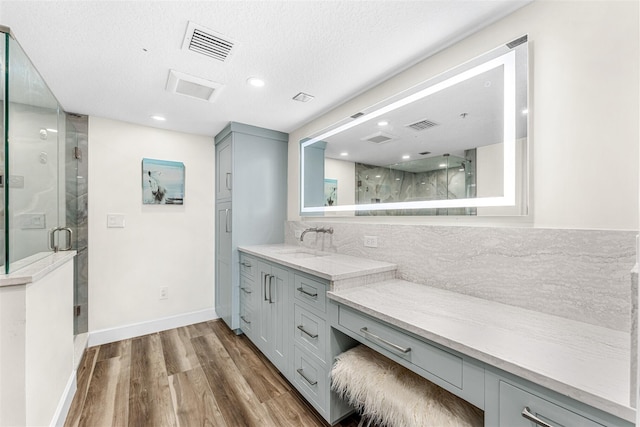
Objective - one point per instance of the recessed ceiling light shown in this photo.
(158, 118)
(256, 82)
(303, 97)
(344, 153)
(397, 179)
(377, 176)
(383, 123)
(442, 165)
(52, 130)
(406, 156)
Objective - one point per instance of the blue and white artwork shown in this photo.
(162, 182)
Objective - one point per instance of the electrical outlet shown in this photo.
(164, 292)
(370, 241)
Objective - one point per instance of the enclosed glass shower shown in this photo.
(43, 186)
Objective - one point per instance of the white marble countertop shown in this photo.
(327, 265)
(37, 270)
(588, 363)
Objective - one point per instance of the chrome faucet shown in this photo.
(316, 230)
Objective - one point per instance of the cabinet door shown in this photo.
(279, 302)
(271, 329)
(263, 329)
(224, 285)
(224, 175)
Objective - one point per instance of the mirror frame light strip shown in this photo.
(508, 62)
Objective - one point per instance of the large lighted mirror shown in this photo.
(453, 145)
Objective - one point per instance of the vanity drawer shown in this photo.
(514, 402)
(310, 332)
(311, 292)
(399, 346)
(248, 266)
(310, 379)
(246, 318)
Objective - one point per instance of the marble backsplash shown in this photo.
(583, 275)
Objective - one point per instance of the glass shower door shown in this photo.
(76, 171)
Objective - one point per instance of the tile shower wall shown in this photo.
(577, 274)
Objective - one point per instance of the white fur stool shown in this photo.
(388, 394)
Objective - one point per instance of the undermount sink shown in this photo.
(302, 253)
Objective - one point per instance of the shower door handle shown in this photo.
(52, 239)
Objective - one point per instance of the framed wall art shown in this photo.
(162, 182)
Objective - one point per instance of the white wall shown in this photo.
(345, 173)
(584, 110)
(161, 245)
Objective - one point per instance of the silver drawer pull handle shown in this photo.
(246, 290)
(300, 289)
(227, 181)
(301, 372)
(526, 413)
(245, 320)
(307, 332)
(393, 346)
(246, 264)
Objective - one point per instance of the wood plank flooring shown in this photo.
(198, 375)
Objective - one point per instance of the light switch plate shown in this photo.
(115, 220)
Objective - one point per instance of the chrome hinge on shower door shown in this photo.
(77, 310)
(77, 153)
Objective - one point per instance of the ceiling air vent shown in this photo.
(195, 87)
(208, 42)
(422, 125)
(379, 138)
(356, 115)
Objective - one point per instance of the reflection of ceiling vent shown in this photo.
(207, 42)
(422, 125)
(192, 86)
(517, 42)
(379, 138)
(356, 115)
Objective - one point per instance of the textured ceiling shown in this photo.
(112, 58)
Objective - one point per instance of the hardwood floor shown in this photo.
(198, 375)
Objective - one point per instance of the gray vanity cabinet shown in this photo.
(251, 202)
(273, 318)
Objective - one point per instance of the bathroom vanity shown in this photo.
(303, 307)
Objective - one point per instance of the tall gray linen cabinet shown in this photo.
(251, 204)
